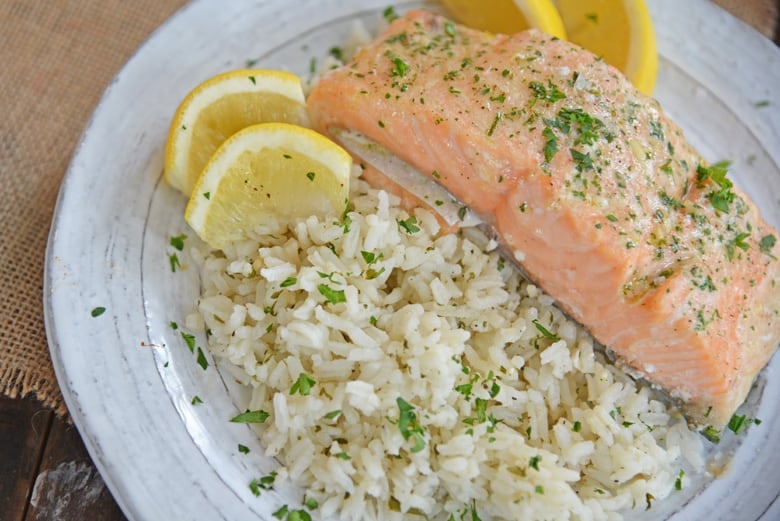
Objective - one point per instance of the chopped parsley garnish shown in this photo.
(399, 67)
(678, 481)
(310, 175)
(289, 281)
(298, 515)
(264, 483)
(207, 195)
(582, 161)
(550, 144)
(739, 423)
(97, 311)
(196, 400)
(282, 512)
(712, 434)
(303, 385)
(550, 93)
(243, 449)
(333, 414)
(173, 259)
(546, 332)
(408, 425)
(410, 224)
(449, 28)
(202, 362)
(534, 462)
(332, 296)
(258, 416)
(577, 426)
(389, 14)
(189, 340)
(178, 242)
(766, 243)
(720, 199)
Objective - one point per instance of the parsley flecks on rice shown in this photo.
(427, 378)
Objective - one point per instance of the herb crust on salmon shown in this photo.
(588, 184)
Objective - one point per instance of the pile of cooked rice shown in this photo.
(405, 371)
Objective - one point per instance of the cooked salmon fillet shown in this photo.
(591, 188)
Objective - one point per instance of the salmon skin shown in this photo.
(591, 188)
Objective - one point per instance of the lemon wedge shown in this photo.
(221, 106)
(621, 31)
(508, 16)
(267, 171)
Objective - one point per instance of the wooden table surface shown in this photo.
(45, 470)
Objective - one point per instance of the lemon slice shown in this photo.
(507, 16)
(221, 106)
(621, 31)
(267, 171)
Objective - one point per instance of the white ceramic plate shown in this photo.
(126, 375)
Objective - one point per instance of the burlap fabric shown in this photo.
(56, 58)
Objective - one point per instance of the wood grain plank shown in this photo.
(69, 487)
(24, 428)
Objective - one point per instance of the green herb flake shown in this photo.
(592, 17)
(550, 144)
(449, 28)
(298, 515)
(678, 484)
(550, 93)
(202, 362)
(534, 462)
(539, 489)
(303, 385)
(766, 243)
(282, 512)
(173, 260)
(408, 425)
(410, 224)
(196, 400)
(189, 340)
(712, 434)
(389, 14)
(178, 241)
(612, 218)
(207, 195)
(310, 175)
(311, 503)
(97, 311)
(243, 449)
(761, 104)
(337, 53)
(332, 296)
(546, 332)
(289, 281)
(332, 415)
(258, 416)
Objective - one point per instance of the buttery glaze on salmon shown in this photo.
(588, 184)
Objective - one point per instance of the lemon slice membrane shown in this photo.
(269, 171)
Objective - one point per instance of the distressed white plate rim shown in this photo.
(126, 376)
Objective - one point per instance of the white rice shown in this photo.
(515, 424)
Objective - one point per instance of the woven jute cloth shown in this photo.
(56, 58)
